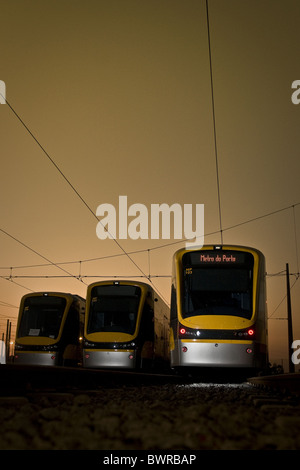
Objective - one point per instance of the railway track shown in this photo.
(71, 409)
(23, 379)
(283, 383)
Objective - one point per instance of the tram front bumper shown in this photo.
(93, 358)
(213, 354)
(36, 358)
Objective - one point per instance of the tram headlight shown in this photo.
(88, 344)
(50, 347)
(131, 345)
(188, 333)
(247, 333)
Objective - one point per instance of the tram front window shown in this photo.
(218, 291)
(114, 308)
(42, 316)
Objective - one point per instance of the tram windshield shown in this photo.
(42, 316)
(114, 308)
(218, 286)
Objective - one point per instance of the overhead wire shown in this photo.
(148, 250)
(144, 250)
(72, 187)
(221, 230)
(36, 253)
(10, 279)
(282, 300)
(67, 180)
(47, 276)
(6, 304)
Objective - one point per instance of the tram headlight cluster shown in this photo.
(194, 333)
(50, 347)
(125, 345)
(248, 333)
(27, 347)
(88, 344)
(188, 333)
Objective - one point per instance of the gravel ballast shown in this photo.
(168, 417)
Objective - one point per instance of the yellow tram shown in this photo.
(126, 326)
(49, 330)
(218, 308)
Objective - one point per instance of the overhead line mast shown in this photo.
(214, 123)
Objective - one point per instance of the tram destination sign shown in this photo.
(216, 258)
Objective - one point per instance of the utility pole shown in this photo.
(290, 323)
(7, 339)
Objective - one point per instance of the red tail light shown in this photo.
(182, 331)
(251, 332)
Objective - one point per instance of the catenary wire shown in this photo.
(64, 176)
(36, 253)
(165, 245)
(282, 300)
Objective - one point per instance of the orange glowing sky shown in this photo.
(118, 93)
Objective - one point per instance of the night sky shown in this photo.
(118, 93)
